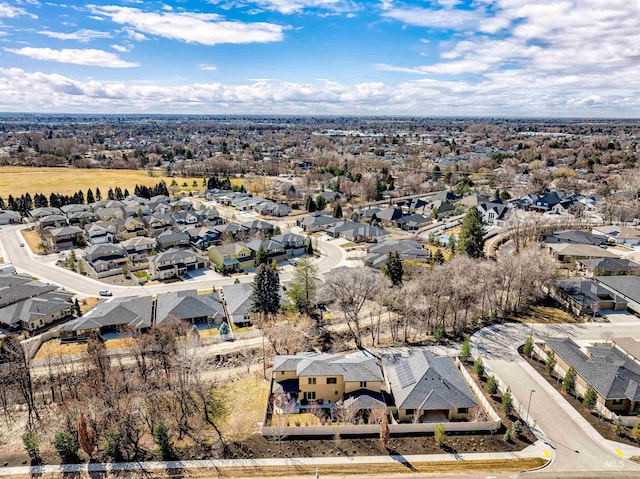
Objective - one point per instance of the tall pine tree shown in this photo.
(394, 268)
(471, 234)
(265, 297)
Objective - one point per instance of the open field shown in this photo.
(54, 348)
(17, 180)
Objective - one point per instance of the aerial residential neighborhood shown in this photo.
(336, 309)
(320, 239)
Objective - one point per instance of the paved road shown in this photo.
(44, 268)
(576, 445)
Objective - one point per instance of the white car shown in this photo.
(106, 292)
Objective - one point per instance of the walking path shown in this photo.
(534, 451)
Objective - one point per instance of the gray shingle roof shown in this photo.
(353, 368)
(421, 380)
(187, 305)
(131, 311)
(628, 286)
(607, 369)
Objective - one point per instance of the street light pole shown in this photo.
(529, 405)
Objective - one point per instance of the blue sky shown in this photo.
(440, 57)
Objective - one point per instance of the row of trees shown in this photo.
(26, 202)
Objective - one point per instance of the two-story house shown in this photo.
(139, 248)
(231, 257)
(172, 239)
(106, 258)
(131, 227)
(294, 245)
(173, 263)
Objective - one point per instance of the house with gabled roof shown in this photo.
(609, 267)
(275, 251)
(131, 227)
(378, 254)
(139, 248)
(356, 232)
(173, 239)
(622, 235)
(190, 307)
(53, 221)
(231, 256)
(106, 258)
(100, 232)
(39, 311)
(39, 213)
(294, 245)
(8, 217)
(492, 212)
(174, 262)
(606, 368)
(111, 316)
(427, 387)
(65, 237)
(327, 379)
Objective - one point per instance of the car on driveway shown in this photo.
(105, 292)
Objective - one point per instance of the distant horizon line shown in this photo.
(324, 115)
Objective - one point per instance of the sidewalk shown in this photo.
(534, 451)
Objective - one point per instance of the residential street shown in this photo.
(44, 268)
(575, 445)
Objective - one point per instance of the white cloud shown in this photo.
(435, 18)
(207, 67)
(82, 35)
(203, 28)
(133, 35)
(295, 6)
(502, 93)
(121, 48)
(9, 11)
(90, 57)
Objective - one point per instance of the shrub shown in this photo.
(550, 363)
(590, 398)
(67, 447)
(465, 350)
(516, 429)
(478, 367)
(163, 440)
(527, 348)
(32, 446)
(507, 402)
(506, 437)
(569, 381)
(439, 434)
(635, 431)
(492, 385)
(111, 446)
(617, 428)
(438, 333)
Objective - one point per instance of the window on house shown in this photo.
(311, 380)
(463, 410)
(363, 384)
(618, 402)
(410, 412)
(332, 380)
(310, 395)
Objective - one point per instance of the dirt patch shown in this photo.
(33, 240)
(87, 303)
(600, 424)
(54, 348)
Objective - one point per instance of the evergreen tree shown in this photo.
(163, 441)
(261, 256)
(394, 269)
(550, 363)
(465, 350)
(569, 381)
(11, 203)
(98, 195)
(492, 385)
(478, 367)
(90, 198)
(590, 398)
(126, 193)
(337, 211)
(110, 194)
(471, 234)
(309, 247)
(507, 402)
(321, 203)
(527, 348)
(76, 306)
(118, 194)
(302, 290)
(310, 205)
(265, 297)
(54, 201)
(67, 447)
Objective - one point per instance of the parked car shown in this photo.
(106, 292)
(22, 245)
